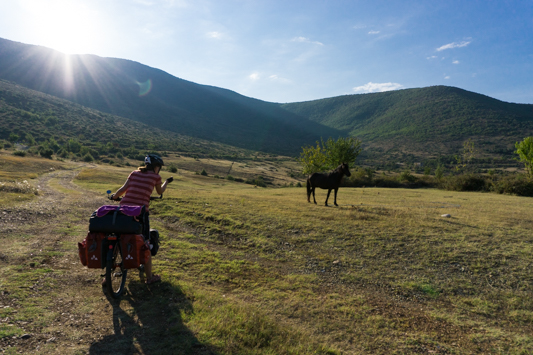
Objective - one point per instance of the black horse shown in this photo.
(329, 181)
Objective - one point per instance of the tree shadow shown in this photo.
(153, 325)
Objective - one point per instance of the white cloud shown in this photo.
(453, 45)
(377, 87)
(144, 2)
(254, 76)
(279, 79)
(306, 40)
(214, 34)
(455, 62)
(432, 57)
(447, 77)
(373, 32)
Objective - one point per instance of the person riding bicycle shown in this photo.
(138, 188)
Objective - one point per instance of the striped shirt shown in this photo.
(140, 188)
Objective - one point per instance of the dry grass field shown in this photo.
(249, 270)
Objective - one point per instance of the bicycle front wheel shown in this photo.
(115, 274)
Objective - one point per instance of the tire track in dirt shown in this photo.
(39, 221)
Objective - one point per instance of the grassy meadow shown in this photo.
(383, 270)
(250, 270)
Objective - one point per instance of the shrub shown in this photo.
(88, 158)
(19, 153)
(63, 153)
(406, 176)
(468, 182)
(46, 152)
(230, 178)
(204, 173)
(13, 137)
(259, 181)
(173, 168)
(515, 184)
(18, 187)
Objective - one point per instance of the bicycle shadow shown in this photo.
(153, 325)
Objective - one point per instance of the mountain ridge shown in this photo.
(424, 122)
(113, 86)
(436, 117)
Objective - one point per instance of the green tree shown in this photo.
(313, 159)
(524, 150)
(73, 145)
(330, 154)
(343, 150)
(30, 140)
(439, 172)
(53, 144)
(45, 151)
(13, 137)
(468, 153)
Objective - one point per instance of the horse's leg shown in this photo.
(313, 189)
(308, 190)
(336, 197)
(329, 191)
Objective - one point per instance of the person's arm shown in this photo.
(160, 188)
(121, 191)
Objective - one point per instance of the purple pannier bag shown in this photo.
(117, 219)
(132, 211)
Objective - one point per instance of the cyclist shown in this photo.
(138, 188)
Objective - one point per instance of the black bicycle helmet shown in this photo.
(153, 159)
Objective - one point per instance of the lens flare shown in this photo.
(145, 88)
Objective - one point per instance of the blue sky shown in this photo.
(293, 50)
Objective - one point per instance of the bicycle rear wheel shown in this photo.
(115, 274)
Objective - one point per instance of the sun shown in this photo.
(67, 26)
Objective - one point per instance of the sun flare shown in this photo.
(66, 26)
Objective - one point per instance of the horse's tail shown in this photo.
(308, 189)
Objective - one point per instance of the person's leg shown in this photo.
(148, 264)
(148, 268)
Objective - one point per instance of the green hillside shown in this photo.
(424, 122)
(403, 126)
(54, 122)
(154, 97)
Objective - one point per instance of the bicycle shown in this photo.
(115, 273)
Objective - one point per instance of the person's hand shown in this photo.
(170, 179)
(113, 197)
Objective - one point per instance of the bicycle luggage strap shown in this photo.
(132, 211)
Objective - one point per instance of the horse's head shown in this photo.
(345, 169)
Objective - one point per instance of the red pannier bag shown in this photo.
(134, 250)
(92, 251)
(82, 251)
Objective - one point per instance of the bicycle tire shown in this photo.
(115, 274)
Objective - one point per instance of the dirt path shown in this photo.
(56, 304)
(41, 235)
